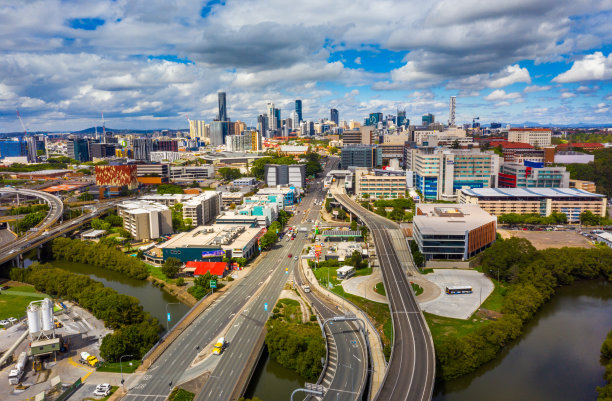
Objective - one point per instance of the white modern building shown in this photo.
(145, 220)
(539, 137)
(202, 209)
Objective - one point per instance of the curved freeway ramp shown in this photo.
(56, 206)
(411, 370)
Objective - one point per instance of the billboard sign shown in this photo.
(213, 254)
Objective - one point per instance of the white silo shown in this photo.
(33, 318)
(47, 314)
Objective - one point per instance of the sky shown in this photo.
(148, 64)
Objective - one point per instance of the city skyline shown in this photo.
(148, 65)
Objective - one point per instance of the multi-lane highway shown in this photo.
(411, 370)
(56, 207)
(242, 310)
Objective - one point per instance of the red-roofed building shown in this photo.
(200, 268)
(582, 145)
(518, 152)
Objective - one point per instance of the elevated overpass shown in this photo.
(411, 370)
(56, 206)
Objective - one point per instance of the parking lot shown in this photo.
(458, 306)
(549, 239)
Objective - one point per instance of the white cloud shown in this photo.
(511, 75)
(536, 88)
(500, 94)
(358, 60)
(592, 67)
(567, 95)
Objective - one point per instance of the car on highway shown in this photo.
(290, 256)
(295, 257)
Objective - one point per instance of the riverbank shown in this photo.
(531, 277)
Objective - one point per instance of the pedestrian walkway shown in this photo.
(363, 286)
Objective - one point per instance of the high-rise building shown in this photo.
(361, 156)
(167, 145)
(143, 148)
(218, 131)
(401, 118)
(262, 124)
(222, 107)
(256, 142)
(197, 129)
(374, 119)
(238, 143)
(451, 111)
(78, 149)
(272, 125)
(37, 145)
(428, 119)
(101, 150)
(298, 110)
(534, 136)
(532, 175)
(334, 116)
(439, 173)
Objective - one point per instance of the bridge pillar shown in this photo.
(39, 252)
(20, 261)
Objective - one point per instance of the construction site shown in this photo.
(49, 354)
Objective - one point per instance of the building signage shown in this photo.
(213, 254)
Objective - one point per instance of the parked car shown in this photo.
(12, 320)
(103, 386)
(101, 392)
(4, 323)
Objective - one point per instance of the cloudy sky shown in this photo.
(151, 63)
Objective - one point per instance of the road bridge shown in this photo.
(411, 369)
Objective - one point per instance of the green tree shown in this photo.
(169, 189)
(171, 267)
(85, 197)
(229, 174)
(98, 224)
(353, 225)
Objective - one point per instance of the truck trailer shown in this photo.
(17, 373)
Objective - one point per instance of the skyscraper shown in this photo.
(334, 116)
(222, 107)
(78, 149)
(143, 148)
(218, 131)
(401, 117)
(272, 125)
(262, 124)
(298, 110)
(428, 119)
(197, 129)
(451, 111)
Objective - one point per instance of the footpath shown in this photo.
(379, 364)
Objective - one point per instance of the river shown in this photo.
(153, 299)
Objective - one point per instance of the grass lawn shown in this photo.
(380, 288)
(15, 300)
(115, 367)
(418, 290)
(496, 299)
(156, 271)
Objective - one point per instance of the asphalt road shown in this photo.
(269, 278)
(411, 370)
(346, 375)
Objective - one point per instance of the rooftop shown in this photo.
(450, 218)
(141, 206)
(216, 235)
(530, 192)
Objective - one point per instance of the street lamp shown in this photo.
(168, 314)
(121, 367)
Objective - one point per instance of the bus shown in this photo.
(459, 289)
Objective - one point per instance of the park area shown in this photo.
(15, 299)
(549, 239)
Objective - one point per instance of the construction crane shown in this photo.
(25, 131)
(474, 121)
(103, 127)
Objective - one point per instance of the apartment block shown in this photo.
(145, 220)
(541, 201)
(588, 186)
(380, 186)
(202, 209)
(539, 137)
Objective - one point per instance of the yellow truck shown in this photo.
(219, 346)
(88, 359)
